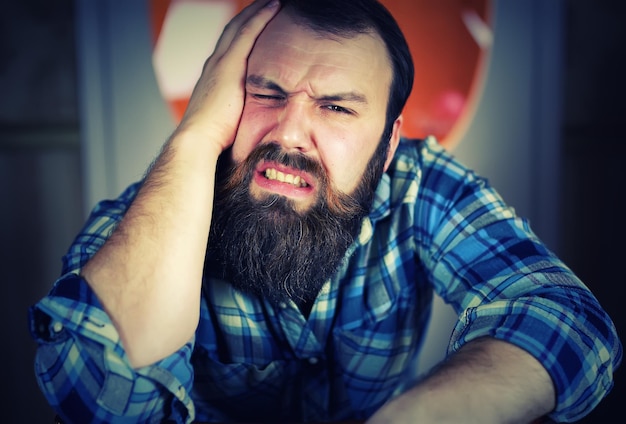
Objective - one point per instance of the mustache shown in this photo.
(272, 152)
(242, 173)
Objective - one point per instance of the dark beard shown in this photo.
(266, 248)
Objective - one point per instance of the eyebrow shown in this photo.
(265, 83)
(262, 82)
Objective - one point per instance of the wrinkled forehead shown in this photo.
(287, 40)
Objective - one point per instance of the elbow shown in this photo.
(144, 347)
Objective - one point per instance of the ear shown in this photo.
(394, 141)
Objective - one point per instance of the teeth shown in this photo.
(272, 174)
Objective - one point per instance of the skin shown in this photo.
(324, 98)
(487, 381)
(148, 274)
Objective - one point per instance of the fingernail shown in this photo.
(273, 4)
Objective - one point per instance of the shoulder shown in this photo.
(417, 156)
(428, 164)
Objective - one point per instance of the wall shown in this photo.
(40, 181)
(42, 165)
(592, 156)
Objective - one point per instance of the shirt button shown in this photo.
(313, 360)
(57, 327)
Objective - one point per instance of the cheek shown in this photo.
(345, 158)
(252, 128)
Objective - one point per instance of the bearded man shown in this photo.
(277, 262)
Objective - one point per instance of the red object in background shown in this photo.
(450, 42)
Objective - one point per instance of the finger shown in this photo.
(229, 31)
(253, 18)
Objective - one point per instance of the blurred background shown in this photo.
(76, 81)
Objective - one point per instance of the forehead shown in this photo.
(296, 57)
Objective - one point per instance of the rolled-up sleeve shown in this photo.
(80, 363)
(576, 344)
(505, 283)
(84, 373)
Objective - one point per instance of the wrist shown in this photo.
(195, 146)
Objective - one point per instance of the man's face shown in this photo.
(317, 96)
(292, 200)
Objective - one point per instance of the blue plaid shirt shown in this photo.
(434, 225)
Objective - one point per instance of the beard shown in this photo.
(266, 247)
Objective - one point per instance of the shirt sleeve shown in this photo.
(505, 283)
(80, 364)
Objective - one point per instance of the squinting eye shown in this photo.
(338, 109)
(267, 97)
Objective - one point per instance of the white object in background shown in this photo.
(189, 34)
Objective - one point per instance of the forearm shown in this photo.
(487, 381)
(82, 370)
(148, 274)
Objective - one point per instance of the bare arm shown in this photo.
(487, 381)
(148, 274)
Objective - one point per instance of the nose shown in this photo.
(293, 127)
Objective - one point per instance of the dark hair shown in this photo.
(348, 18)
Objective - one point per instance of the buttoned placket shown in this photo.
(310, 350)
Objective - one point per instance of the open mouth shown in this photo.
(275, 175)
(284, 180)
